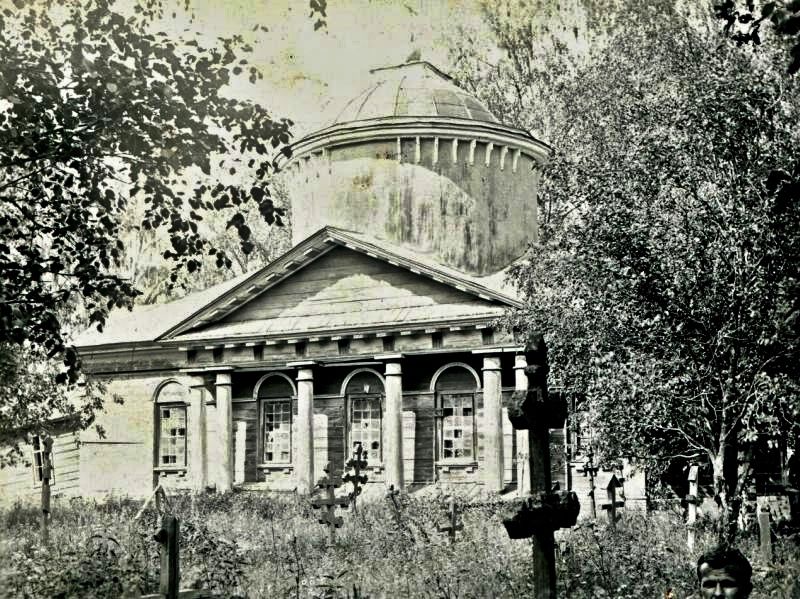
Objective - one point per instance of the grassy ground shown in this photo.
(248, 544)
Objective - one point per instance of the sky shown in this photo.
(308, 74)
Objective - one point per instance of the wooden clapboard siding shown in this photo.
(423, 437)
(17, 482)
(248, 413)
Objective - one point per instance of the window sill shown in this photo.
(165, 471)
(274, 467)
(467, 465)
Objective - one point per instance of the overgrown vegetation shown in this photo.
(253, 545)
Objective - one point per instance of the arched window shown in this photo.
(274, 394)
(456, 387)
(364, 392)
(171, 402)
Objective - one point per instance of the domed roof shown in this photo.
(416, 89)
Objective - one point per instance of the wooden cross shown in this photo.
(358, 465)
(613, 504)
(454, 525)
(329, 483)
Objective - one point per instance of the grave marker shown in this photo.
(613, 503)
(357, 464)
(328, 484)
(454, 525)
(538, 516)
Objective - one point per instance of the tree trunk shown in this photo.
(724, 466)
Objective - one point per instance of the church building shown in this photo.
(376, 329)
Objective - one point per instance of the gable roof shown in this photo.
(317, 245)
(200, 316)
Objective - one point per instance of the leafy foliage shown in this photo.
(743, 22)
(278, 550)
(667, 278)
(96, 110)
(99, 112)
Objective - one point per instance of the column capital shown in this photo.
(491, 363)
(393, 369)
(305, 374)
(223, 379)
(301, 364)
(385, 357)
(520, 361)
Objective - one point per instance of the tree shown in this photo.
(98, 110)
(743, 22)
(668, 288)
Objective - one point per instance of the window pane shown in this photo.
(365, 427)
(458, 425)
(277, 436)
(172, 436)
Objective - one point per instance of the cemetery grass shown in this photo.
(252, 545)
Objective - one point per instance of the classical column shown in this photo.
(224, 431)
(522, 437)
(198, 465)
(493, 424)
(304, 462)
(393, 435)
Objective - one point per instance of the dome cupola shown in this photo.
(416, 160)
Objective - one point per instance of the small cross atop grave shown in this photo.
(453, 525)
(357, 464)
(613, 503)
(328, 484)
(538, 516)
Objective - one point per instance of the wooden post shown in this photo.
(692, 499)
(47, 472)
(765, 535)
(543, 541)
(167, 539)
(590, 469)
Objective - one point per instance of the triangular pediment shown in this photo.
(333, 283)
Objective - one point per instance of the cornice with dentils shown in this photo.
(424, 127)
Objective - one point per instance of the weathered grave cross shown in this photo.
(357, 464)
(538, 516)
(328, 484)
(613, 503)
(454, 525)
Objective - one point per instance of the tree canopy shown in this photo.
(667, 288)
(99, 110)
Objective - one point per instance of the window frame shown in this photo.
(261, 446)
(440, 428)
(350, 428)
(160, 466)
